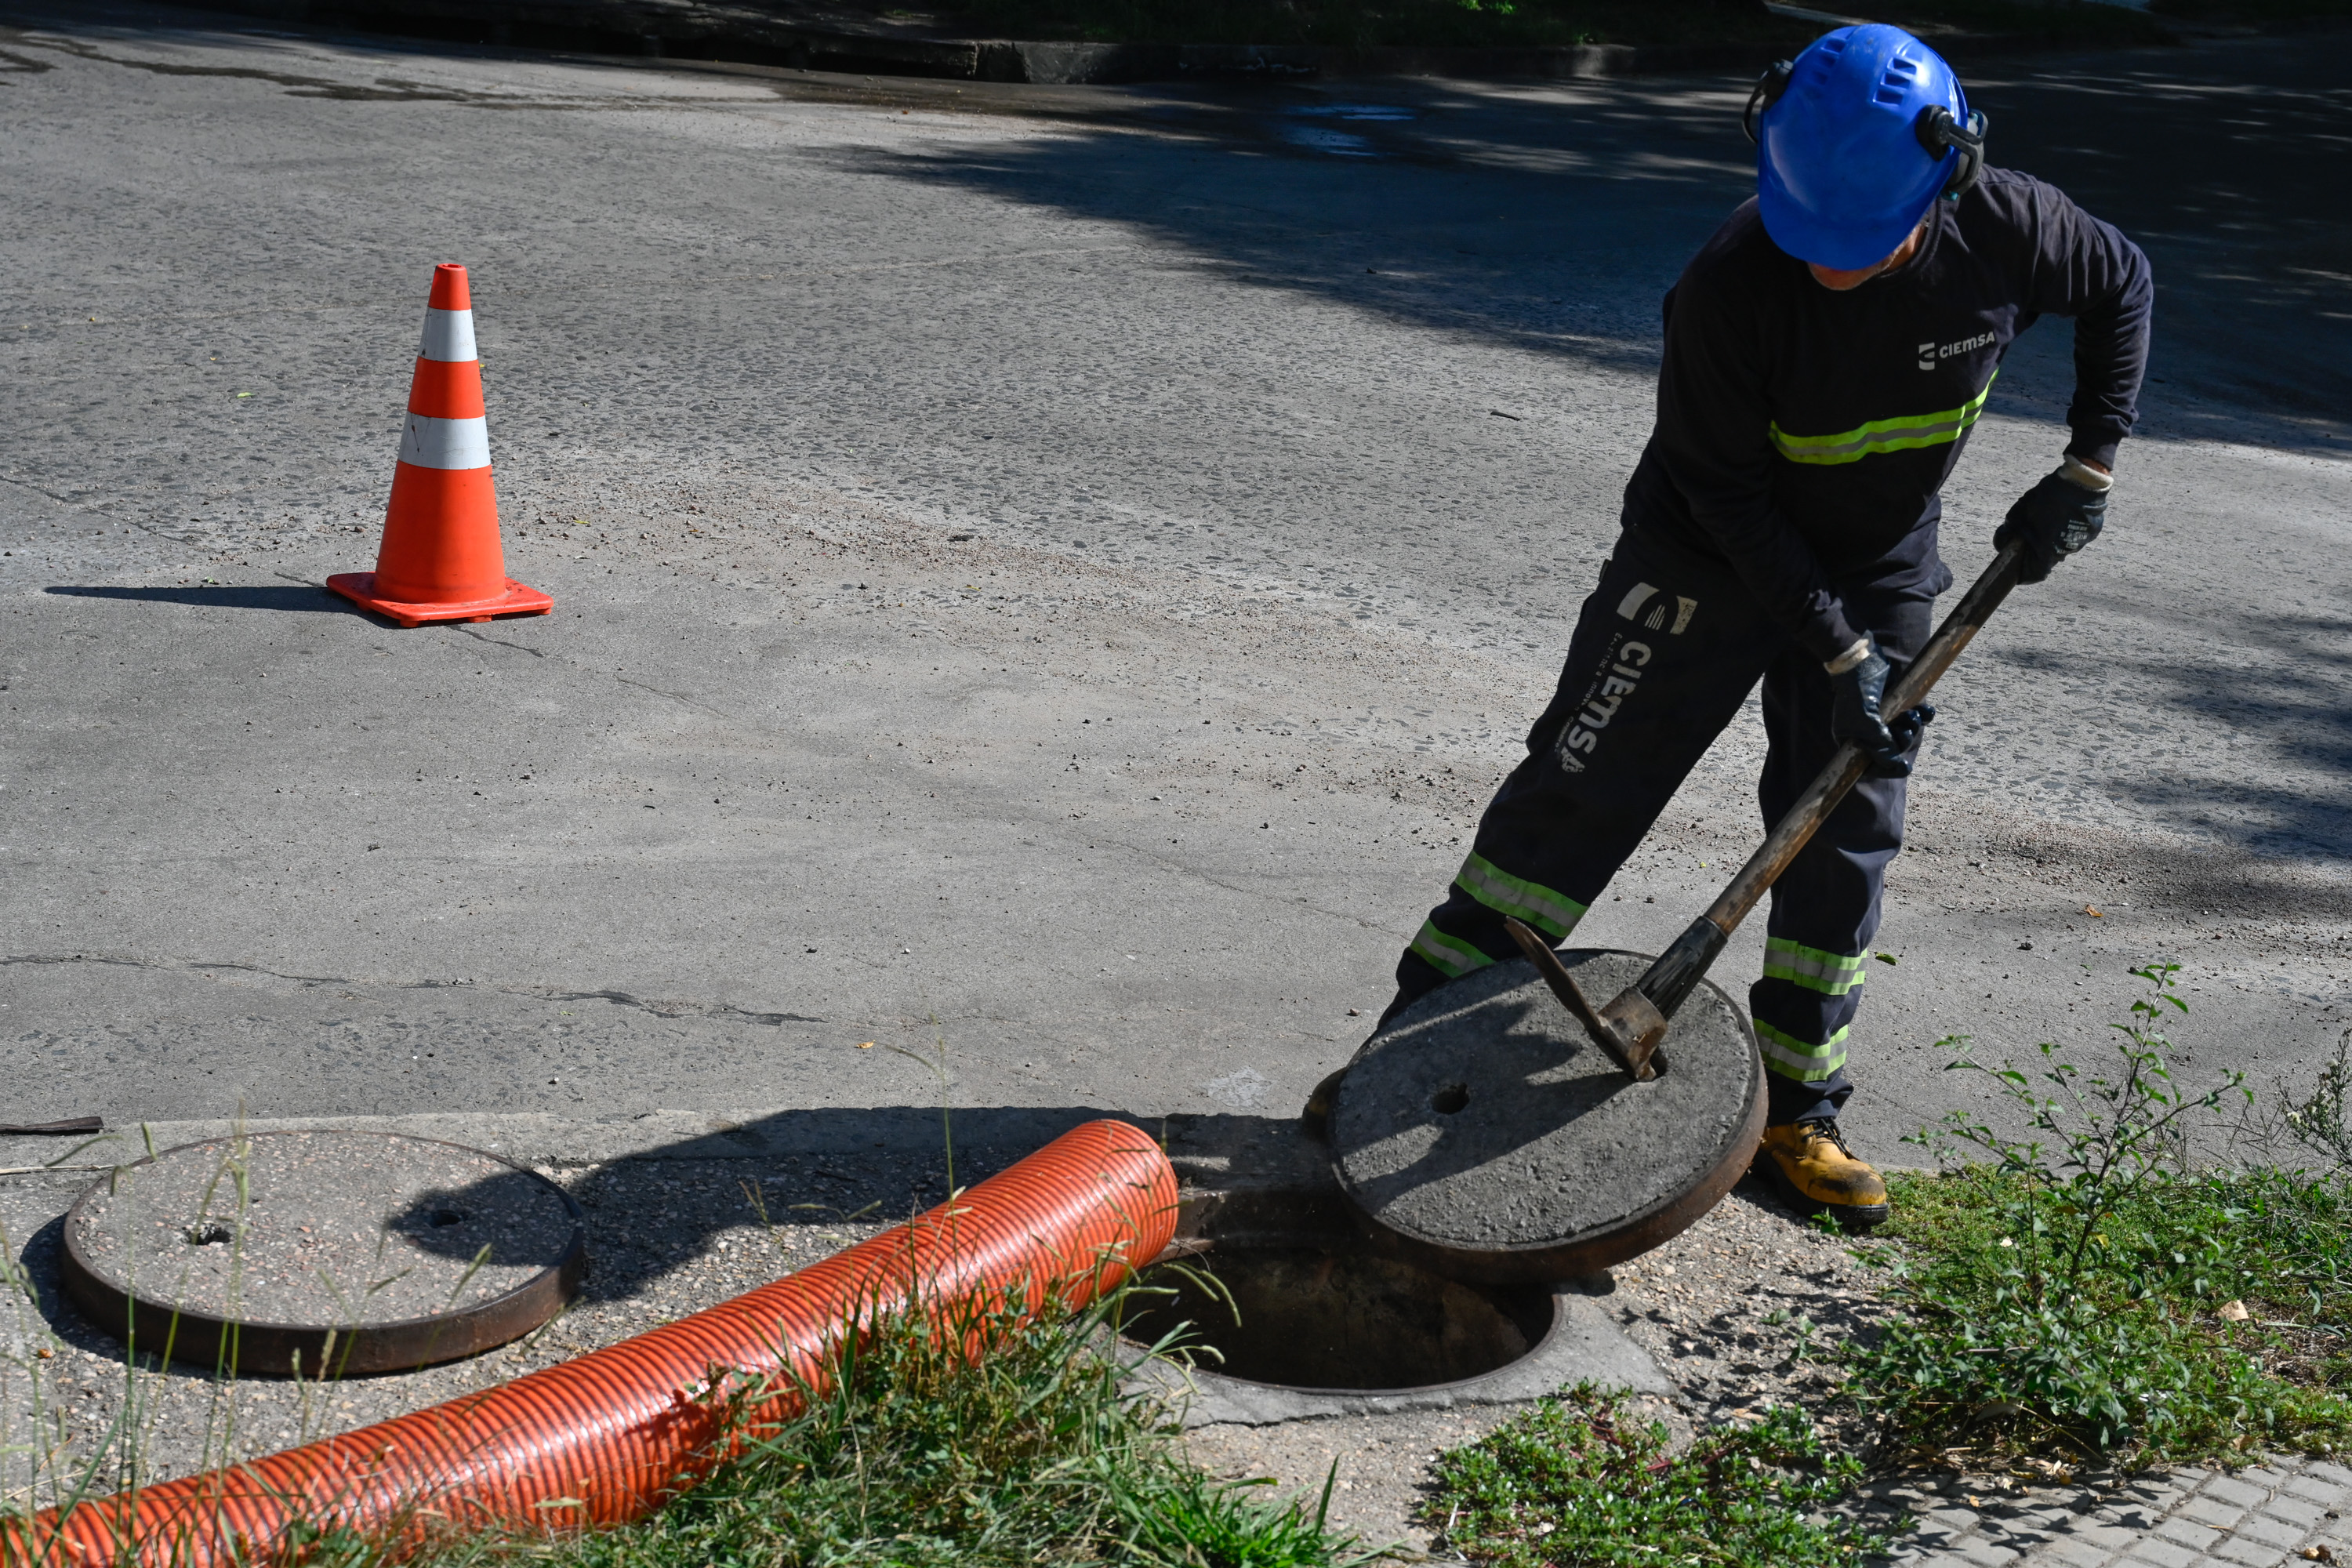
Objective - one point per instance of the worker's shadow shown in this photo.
(222, 596)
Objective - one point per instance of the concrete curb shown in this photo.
(751, 34)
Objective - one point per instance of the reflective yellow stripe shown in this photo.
(1530, 901)
(1449, 955)
(1832, 974)
(1792, 1058)
(1898, 435)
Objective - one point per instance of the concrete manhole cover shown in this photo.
(1486, 1136)
(338, 1252)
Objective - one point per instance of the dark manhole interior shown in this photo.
(1312, 1318)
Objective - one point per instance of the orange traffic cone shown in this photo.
(440, 559)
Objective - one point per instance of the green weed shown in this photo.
(918, 1456)
(2091, 1290)
(1574, 1482)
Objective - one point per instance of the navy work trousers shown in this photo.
(1667, 650)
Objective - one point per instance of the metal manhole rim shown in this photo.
(1613, 1242)
(91, 1291)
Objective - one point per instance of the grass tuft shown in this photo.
(2203, 1323)
(2090, 1291)
(1574, 1482)
(920, 1457)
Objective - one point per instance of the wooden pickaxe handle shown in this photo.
(1637, 1015)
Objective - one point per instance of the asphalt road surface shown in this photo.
(1045, 578)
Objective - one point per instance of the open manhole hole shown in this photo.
(1311, 1318)
(1325, 1319)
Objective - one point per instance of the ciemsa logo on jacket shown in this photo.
(1933, 354)
(1620, 671)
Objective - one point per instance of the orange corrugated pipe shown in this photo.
(606, 1438)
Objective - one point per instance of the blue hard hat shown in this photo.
(1856, 140)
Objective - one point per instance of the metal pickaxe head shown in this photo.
(1628, 1029)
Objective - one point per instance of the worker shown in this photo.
(1826, 355)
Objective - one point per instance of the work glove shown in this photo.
(2055, 518)
(1859, 687)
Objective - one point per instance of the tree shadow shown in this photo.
(2275, 684)
(1553, 216)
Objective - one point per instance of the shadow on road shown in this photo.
(1555, 219)
(2276, 682)
(654, 1212)
(225, 597)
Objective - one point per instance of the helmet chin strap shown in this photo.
(1940, 133)
(1938, 130)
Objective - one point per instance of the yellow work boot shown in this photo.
(1816, 1171)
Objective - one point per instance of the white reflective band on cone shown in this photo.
(445, 443)
(448, 334)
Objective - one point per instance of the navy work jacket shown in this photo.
(1805, 434)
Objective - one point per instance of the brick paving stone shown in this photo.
(2293, 1511)
(2249, 1555)
(2110, 1537)
(2162, 1554)
(2207, 1510)
(2255, 1517)
(2071, 1552)
(2275, 1532)
(2318, 1489)
(2233, 1492)
(2031, 1535)
(2192, 1533)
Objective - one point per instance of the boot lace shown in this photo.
(1827, 1127)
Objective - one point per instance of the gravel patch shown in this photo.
(1737, 1309)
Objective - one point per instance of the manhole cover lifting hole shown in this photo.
(336, 1252)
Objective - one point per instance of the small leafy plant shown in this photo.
(2318, 1122)
(2089, 1288)
(1577, 1482)
(2113, 1137)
